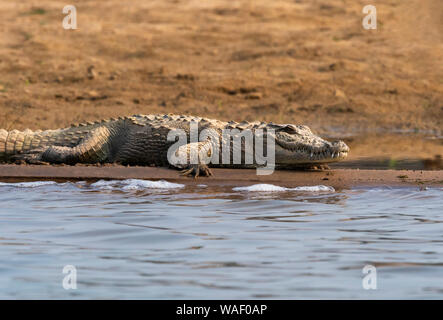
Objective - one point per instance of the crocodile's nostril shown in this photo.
(340, 146)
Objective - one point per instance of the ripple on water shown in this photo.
(273, 188)
(157, 239)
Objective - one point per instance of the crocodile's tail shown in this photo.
(14, 142)
(3, 138)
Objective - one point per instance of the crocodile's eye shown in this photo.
(291, 129)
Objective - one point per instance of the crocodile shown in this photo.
(144, 140)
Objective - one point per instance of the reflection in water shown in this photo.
(213, 242)
(400, 151)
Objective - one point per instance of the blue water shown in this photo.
(148, 241)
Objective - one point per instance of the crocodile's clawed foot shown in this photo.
(30, 157)
(318, 167)
(32, 161)
(196, 170)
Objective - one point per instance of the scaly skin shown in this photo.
(142, 140)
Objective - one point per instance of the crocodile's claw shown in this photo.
(33, 156)
(196, 170)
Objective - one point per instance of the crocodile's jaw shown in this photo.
(333, 153)
(304, 148)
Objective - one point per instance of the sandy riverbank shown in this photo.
(303, 61)
(338, 178)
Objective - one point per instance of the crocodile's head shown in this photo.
(297, 145)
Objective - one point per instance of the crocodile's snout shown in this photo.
(339, 150)
(340, 146)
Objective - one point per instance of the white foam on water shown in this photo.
(30, 184)
(135, 184)
(262, 187)
(104, 184)
(273, 188)
(319, 188)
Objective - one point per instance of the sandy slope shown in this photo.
(303, 61)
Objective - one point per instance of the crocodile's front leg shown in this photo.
(193, 158)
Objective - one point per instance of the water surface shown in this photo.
(150, 240)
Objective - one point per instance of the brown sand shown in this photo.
(287, 61)
(339, 178)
